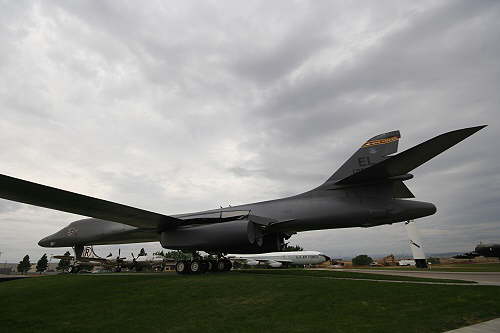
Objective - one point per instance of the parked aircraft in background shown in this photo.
(279, 259)
(486, 250)
(366, 191)
(88, 259)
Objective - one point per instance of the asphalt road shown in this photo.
(5, 278)
(484, 278)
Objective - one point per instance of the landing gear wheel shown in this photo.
(74, 269)
(181, 267)
(227, 265)
(212, 265)
(195, 267)
(204, 266)
(221, 265)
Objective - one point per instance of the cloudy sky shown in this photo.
(182, 106)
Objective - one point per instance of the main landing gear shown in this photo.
(198, 266)
(74, 269)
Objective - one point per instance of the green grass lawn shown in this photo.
(491, 267)
(346, 275)
(237, 302)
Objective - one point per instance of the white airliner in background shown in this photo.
(278, 259)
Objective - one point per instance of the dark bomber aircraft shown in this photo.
(367, 190)
(486, 250)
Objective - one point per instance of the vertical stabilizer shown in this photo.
(371, 152)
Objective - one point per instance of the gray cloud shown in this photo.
(176, 107)
(7, 206)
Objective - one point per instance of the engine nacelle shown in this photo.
(275, 264)
(252, 262)
(238, 236)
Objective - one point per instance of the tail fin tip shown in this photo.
(371, 152)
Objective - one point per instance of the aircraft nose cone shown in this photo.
(43, 242)
(46, 242)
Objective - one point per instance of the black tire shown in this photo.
(195, 267)
(74, 269)
(181, 267)
(227, 265)
(221, 265)
(213, 265)
(204, 266)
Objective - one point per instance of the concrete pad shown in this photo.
(483, 278)
(491, 326)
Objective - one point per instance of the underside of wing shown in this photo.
(49, 197)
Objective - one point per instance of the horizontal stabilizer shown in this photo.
(50, 197)
(410, 159)
(81, 259)
(63, 257)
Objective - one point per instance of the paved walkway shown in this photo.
(491, 326)
(5, 277)
(389, 281)
(482, 278)
(369, 280)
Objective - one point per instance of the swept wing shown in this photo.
(49, 197)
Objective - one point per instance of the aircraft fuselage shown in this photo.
(315, 210)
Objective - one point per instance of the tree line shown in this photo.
(42, 264)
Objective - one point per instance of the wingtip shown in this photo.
(476, 128)
(470, 130)
(462, 133)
